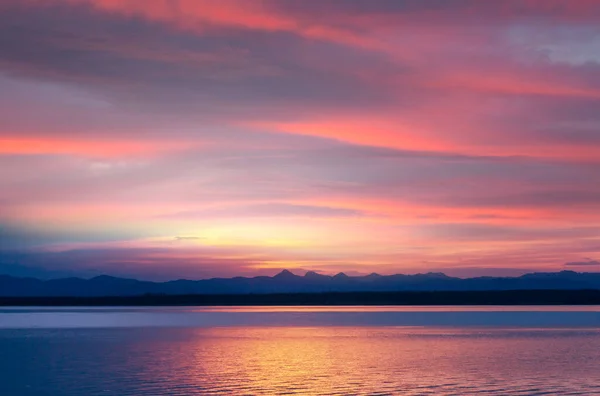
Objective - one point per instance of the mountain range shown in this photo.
(287, 282)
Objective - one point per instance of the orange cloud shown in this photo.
(425, 136)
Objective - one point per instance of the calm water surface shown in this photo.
(350, 350)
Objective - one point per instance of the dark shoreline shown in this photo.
(502, 297)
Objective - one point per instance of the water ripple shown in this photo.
(299, 361)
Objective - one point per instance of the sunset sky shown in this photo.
(165, 139)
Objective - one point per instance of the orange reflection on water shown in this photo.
(334, 360)
(321, 360)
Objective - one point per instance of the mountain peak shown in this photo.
(341, 275)
(314, 275)
(568, 272)
(437, 275)
(112, 279)
(285, 274)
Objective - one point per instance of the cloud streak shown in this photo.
(582, 263)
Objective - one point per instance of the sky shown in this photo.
(166, 139)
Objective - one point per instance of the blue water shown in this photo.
(314, 350)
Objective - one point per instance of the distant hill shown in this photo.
(287, 282)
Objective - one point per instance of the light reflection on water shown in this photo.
(299, 350)
(298, 360)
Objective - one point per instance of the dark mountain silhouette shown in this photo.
(287, 282)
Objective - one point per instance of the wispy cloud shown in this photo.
(583, 263)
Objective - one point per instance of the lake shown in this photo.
(299, 350)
